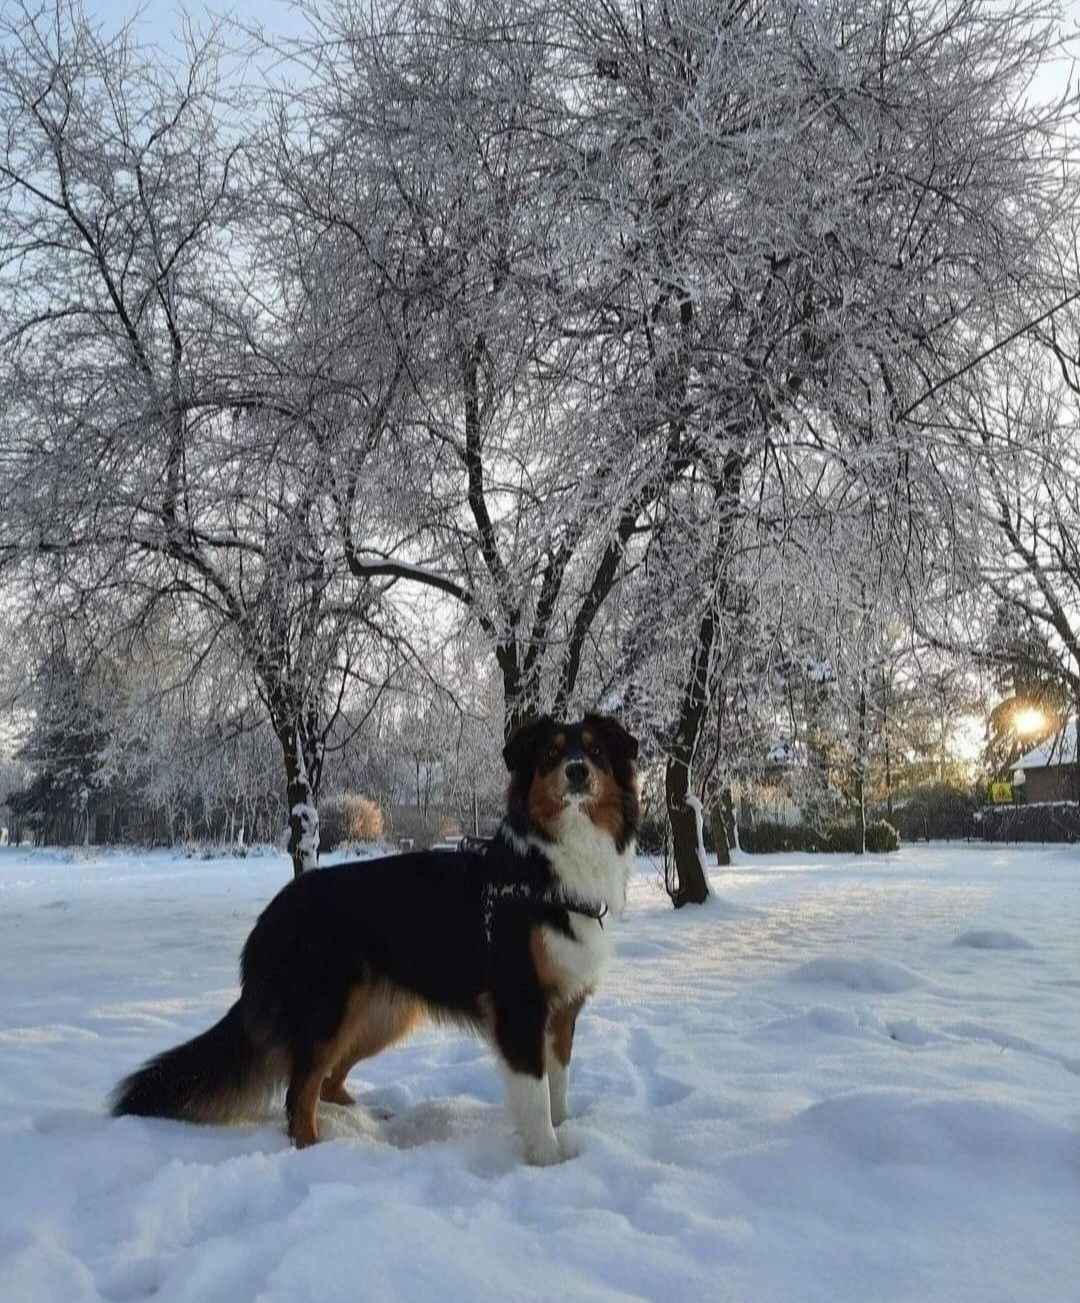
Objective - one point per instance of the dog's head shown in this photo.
(555, 767)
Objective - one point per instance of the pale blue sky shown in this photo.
(160, 20)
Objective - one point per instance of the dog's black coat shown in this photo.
(428, 921)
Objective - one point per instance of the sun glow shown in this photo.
(1029, 720)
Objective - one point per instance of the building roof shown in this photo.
(1057, 750)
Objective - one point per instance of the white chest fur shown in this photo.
(578, 964)
(586, 861)
(592, 870)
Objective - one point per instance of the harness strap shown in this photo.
(521, 891)
(576, 906)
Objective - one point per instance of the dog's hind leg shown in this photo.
(333, 1089)
(374, 1019)
(302, 1096)
(310, 1065)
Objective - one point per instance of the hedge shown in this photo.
(1044, 821)
(767, 838)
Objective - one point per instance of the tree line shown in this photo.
(681, 359)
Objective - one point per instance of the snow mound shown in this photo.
(880, 975)
(881, 1127)
(820, 1020)
(989, 939)
(908, 1031)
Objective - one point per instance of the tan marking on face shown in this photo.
(586, 738)
(605, 809)
(546, 801)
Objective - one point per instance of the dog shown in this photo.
(508, 940)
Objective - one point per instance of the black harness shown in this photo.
(576, 906)
(521, 889)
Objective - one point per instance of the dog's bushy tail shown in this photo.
(219, 1076)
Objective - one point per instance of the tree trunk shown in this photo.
(726, 811)
(303, 766)
(720, 836)
(690, 886)
(684, 811)
(860, 771)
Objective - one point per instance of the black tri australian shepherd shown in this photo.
(508, 940)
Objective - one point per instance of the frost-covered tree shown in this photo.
(1020, 421)
(782, 191)
(511, 474)
(164, 428)
(576, 319)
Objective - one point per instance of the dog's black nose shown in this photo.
(577, 774)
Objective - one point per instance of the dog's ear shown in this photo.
(621, 745)
(520, 751)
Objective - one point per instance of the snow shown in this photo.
(842, 1079)
(992, 939)
(858, 974)
(305, 814)
(694, 804)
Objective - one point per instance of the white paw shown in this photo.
(570, 1144)
(544, 1153)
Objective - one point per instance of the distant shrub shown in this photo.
(331, 823)
(1049, 821)
(349, 818)
(363, 819)
(651, 833)
(939, 811)
(843, 839)
(881, 836)
(768, 838)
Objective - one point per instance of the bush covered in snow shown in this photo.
(882, 836)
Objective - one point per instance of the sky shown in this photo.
(160, 18)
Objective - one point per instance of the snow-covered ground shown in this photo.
(840, 1080)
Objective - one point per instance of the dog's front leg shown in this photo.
(559, 1045)
(529, 1105)
(519, 1035)
(558, 1074)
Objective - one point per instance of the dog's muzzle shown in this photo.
(577, 778)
